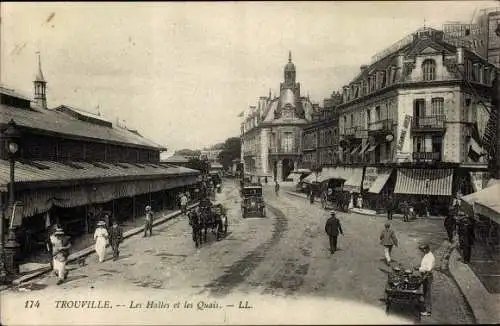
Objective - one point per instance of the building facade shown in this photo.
(73, 166)
(414, 122)
(272, 131)
(320, 139)
(482, 36)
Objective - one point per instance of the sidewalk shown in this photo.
(485, 305)
(87, 250)
(362, 211)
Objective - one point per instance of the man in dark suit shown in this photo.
(333, 228)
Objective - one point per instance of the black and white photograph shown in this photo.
(250, 163)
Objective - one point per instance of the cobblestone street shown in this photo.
(282, 255)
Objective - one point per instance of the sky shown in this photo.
(180, 73)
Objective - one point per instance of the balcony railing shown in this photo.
(380, 126)
(284, 150)
(248, 153)
(354, 132)
(432, 122)
(426, 156)
(350, 131)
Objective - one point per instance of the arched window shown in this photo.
(429, 69)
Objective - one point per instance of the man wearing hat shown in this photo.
(388, 240)
(148, 221)
(332, 228)
(60, 253)
(426, 268)
(115, 237)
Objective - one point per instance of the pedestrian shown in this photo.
(101, 236)
(115, 237)
(332, 229)
(351, 201)
(60, 252)
(265, 180)
(148, 222)
(388, 240)
(311, 197)
(277, 188)
(467, 233)
(184, 202)
(360, 201)
(390, 207)
(405, 210)
(426, 268)
(450, 225)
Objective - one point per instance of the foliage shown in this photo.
(230, 151)
(200, 165)
(188, 152)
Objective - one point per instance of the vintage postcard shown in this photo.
(191, 163)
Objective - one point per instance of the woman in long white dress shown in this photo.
(101, 239)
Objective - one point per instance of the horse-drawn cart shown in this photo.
(404, 288)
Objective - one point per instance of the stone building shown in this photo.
(320, 139)
(271, 131)
(414, 122)
(73, 166)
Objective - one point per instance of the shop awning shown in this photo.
(432, 182)
(355, 150)
(380, 182)
(353, 182)
(46, 183)
(485, 202)
(309, 179)
(371, 148)
(363, 150)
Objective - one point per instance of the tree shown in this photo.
(188, 152)
(200, 165)
(230, 151)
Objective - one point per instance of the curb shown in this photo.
(90, 250)
(484, 306)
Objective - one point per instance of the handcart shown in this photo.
(404, 288)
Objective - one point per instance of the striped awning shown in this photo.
(372, 148)
(380, 182)
(364, 148)
(353, 183)
(357, 148)
(432, 182)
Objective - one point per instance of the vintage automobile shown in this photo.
(253, 200)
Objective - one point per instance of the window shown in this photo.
(287, 142)
(365, 87)
(419, 108)
(418, 144)
(437, 143)
(352, 120)
(345, 123)
(377, 113)
(429, 69)
(437, 106)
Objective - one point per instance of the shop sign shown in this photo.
(371, 174)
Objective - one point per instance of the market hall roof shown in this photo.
(67, 121)
(49, 172)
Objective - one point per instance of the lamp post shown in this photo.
(10, 247)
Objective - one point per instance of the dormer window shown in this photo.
(429, 70)
(365, 88)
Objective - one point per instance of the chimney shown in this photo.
(363, 67)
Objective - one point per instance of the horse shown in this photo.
(196, 225)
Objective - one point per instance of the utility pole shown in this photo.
(496, 107)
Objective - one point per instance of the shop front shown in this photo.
(429, 191)
(377, 184)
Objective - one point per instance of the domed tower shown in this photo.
(40, 87)
(289, 71)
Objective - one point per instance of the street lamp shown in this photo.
(9, 249)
